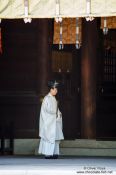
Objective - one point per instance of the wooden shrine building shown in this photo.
(43, 40)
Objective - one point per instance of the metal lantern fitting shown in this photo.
(26, 12)
(58, 18)
(105, 28)
(88, 11)
(89, 18)
(61, 46)
(77, 35)
(88, 7)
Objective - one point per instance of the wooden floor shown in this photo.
(64, 165)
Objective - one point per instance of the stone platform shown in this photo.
(65, 165)
(78, 147)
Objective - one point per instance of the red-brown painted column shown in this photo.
(88, 79)
(44, 54)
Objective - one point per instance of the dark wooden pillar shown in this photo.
(44, 54)
(88, 79)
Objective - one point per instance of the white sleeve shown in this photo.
(47, 106)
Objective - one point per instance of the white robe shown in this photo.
(50, 126)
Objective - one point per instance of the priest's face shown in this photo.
(53, 91)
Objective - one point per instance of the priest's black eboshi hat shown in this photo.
(53, 84)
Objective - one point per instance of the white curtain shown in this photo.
(47, 8)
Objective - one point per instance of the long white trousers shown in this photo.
(48, 148)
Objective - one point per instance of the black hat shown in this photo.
(53, 84)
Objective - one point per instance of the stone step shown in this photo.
(87, 143)
(88, 152)
(78, 147)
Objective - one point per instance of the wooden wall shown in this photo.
(19, 101)
(19, 82)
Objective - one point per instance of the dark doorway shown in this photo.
(106, 91)
(66, 69)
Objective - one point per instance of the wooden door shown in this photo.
(68, 73)
(106, 91)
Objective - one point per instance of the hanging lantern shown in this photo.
(26, 11)
(61, 46)
(77, 35)
(105, 28)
